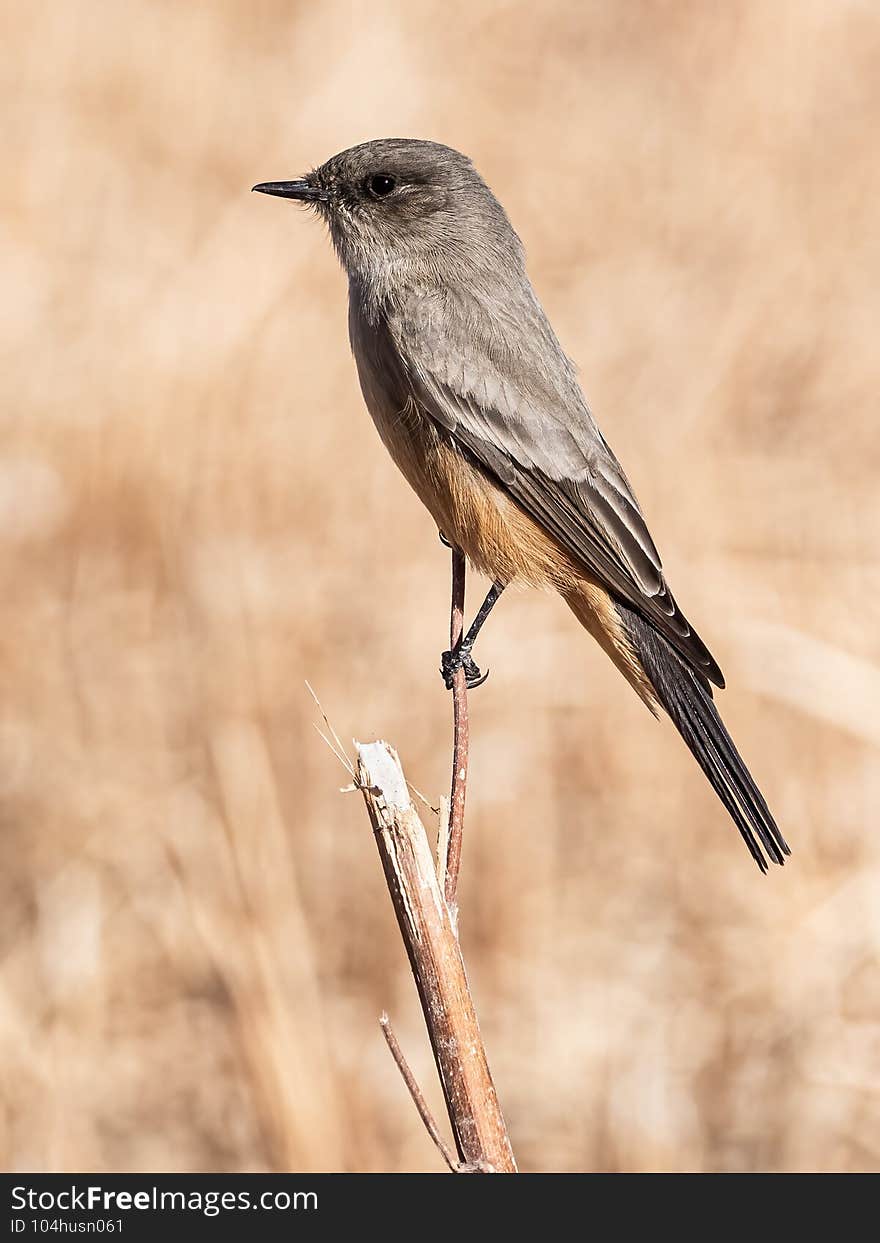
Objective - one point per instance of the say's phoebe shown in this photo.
(481, 410)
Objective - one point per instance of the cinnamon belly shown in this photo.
(499, 538)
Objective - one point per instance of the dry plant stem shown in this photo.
(460, 740)
(456, 1167)
(416, 1093)
(442, 840)
(435, 957)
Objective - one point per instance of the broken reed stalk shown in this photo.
(424, 900)
(428, 932)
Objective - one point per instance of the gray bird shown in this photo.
(481, 410)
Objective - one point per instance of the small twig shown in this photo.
(442, 839)
(458, 787)
(416, 1093)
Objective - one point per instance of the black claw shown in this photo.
(451, 662)
(476, 678)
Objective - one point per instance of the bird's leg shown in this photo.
(460, 656)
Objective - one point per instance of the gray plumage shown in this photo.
(451, 341)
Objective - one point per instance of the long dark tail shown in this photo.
(687, 697)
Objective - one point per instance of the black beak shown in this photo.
(301, 190)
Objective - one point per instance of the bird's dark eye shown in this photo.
(380, 186)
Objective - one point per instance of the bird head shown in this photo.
(403, 212)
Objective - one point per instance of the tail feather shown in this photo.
(687, 697)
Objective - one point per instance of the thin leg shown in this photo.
(493, 595)
(460, 656)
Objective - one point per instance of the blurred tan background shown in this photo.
(196, 515)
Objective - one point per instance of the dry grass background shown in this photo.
(196, 515)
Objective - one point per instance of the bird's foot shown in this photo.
(460, 658)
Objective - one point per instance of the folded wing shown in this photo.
(539, 441)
